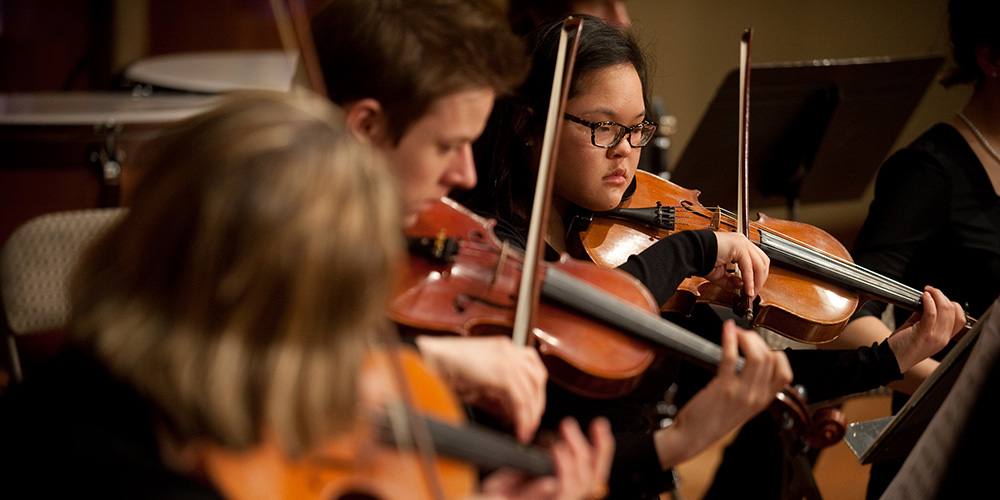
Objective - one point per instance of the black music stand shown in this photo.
(894, 437)
(818, 130)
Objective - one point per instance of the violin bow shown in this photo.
(530, 287)
(296, 35)
(743, 305)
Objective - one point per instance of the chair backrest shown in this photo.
(36, 263)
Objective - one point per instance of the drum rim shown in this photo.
(98, 108)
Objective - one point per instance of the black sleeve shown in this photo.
(666, 263)
(635, 471)
(828, 374)
(905, 213)
(661, 267)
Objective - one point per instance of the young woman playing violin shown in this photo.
(225, 316)
(605, 56)
(935, 218)
(605, 127)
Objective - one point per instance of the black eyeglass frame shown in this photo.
(623, 130)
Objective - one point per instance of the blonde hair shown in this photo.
(254, 263)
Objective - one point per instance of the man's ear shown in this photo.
(366, 120)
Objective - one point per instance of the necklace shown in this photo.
(982, 138)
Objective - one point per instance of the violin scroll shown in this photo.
(828, 428)
(815, 430)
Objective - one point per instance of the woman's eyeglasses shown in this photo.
(609, 134)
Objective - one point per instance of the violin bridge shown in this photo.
(716, 219)
(501, 261)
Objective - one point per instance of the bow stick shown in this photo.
(743, 304)
(530, 287)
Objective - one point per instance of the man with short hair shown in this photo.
(417, 79)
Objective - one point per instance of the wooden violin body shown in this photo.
(473, 291)
(411, 442)
(791, 303)
(358, 462)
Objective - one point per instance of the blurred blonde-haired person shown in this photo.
(230, 309)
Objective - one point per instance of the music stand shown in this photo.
(894, 437)
(818, 130)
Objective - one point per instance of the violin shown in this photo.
(382, 459)
(461, 280)
(813, 286)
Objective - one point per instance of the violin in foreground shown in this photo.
(410, 443)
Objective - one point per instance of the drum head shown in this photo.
(216, 72)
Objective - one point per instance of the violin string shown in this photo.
(755, 225)
(796, 252)
(846, 264)
(881, 282)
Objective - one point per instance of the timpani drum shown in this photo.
(76, 150)
(213, 72)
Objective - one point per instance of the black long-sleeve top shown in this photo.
(934, 220)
